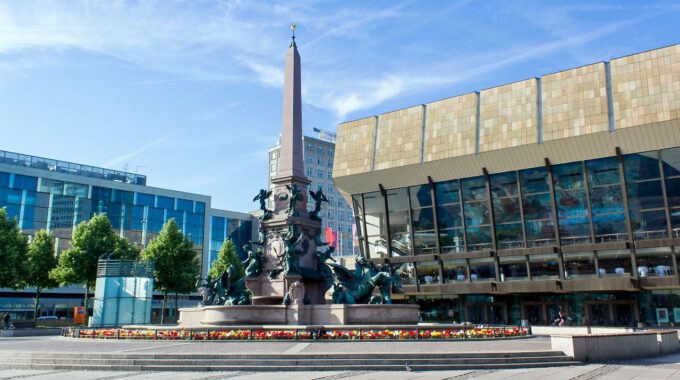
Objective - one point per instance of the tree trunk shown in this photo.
(37, 304)
(176, 308)
(165, 298)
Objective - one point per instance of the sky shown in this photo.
(189, 93)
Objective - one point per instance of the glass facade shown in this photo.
(223, 229)
(58, 206)
(582, 221)
(581, 202)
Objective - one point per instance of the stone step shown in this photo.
(284, 362)
(327, 355)
(271, 368)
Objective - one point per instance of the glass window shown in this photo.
(451, 241)
(537, 206)
(544, 267)
(506, 210)
(649, 224)
(200, 207)
(424, 243)
(10, 196)
(122, 196)
(375, 219)
(310, 159)
(319, 150)
(446, 192)
(4, 179)
(319, 174)
(641, 166)
(673, 192)
(513, 268)
(406, 274)
(606, 199)
(99, 193)
(145, 199)
(474, 189)
(504, 185)
(478, 238)
(397, 203)
(449, 216)
(602, 171)
(476, 213)
(540, 232)
(455, 271)
(610, 227)
(423, 219)
(614, 263)
(25, 182)
(319, 162)
(53, 187)
(427, 272)
(482, 269)
(571, 204)
(655, 262)
(671, 162)
(310, 172)
(534, 180)
(579, 264)
(76, 190)
(185, 205)
(420, 196)
(575, 231)
(509, 235)
(568, 176)
(165, 202)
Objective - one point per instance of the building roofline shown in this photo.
(509, 83)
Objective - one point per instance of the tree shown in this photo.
(13, 246)
(176, 263)
(226, 257)
(89, 241)
(39, 262)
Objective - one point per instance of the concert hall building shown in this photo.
(554, 193)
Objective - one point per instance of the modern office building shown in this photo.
(318, 158)
(560, 192)
(55, 195)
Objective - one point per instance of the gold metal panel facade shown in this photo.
(574, 102)
(508, 116)
(399, 138)
(450, 127)
(354, 147)
(646, 87)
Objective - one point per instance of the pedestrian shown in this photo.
(5, 319)
(563, 319)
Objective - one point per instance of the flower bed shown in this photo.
(314, 334)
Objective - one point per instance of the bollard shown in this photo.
(118, 334)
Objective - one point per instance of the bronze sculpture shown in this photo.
(262, 196)
(292, 199)
(318, 197)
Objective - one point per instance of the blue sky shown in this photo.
(189, 92)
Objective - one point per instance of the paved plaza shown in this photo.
(667, 367)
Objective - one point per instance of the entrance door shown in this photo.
(598, 314)
(534, 314)
(624, 314)
(487, 313)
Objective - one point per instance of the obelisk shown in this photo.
(290, 229)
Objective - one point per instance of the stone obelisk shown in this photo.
(290, 229)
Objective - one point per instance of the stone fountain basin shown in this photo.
(394, 314)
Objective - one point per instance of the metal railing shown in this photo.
(35, 162)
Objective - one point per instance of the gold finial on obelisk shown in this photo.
(293, 26)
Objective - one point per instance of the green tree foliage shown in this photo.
(226, 257)
(90, 241)
(176, 263)
(39, 262)
(13, 246)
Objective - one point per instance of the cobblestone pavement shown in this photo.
(666, 367)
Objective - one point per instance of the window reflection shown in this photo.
(544, 266)
(572, 209)
(579, 264)
(427, 272)
(614, 263)
(513, 268)
(482, 269)
(645, 196)
(455, 271)
(537, 207)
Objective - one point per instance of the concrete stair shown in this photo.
(284, 362)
